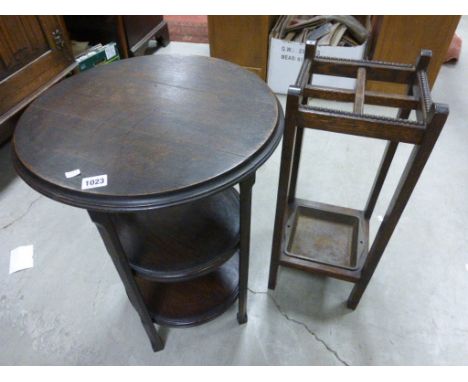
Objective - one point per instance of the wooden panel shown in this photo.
(31, 51)
(242, 40)
(401, 38)
(21, 41)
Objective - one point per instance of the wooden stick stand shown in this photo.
(330, 240)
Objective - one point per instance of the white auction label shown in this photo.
(94, 182)
(73, 173)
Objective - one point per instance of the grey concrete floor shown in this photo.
(71, 307)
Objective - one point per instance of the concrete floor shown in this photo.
(71, 307)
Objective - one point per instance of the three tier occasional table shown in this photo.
(160, 142)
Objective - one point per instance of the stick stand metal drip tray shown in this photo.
(326, 236)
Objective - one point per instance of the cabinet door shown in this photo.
(34, 54)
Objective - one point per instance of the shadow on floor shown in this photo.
(311, 295)
(7, 171)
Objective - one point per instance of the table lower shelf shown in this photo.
(325, 239)
(193, 302)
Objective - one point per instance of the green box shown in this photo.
(98, 56)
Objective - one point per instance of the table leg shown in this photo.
(111, 240)
(245, 216)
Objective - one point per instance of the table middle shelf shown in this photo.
(181, 242)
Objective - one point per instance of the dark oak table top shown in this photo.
(164, 129)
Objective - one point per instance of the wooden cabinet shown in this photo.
(140, 29)
(401, 38)
(243, 40)
(34, 54)
(131, 33)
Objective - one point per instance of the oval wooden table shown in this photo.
(167, 138)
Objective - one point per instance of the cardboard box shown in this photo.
(285, 60)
